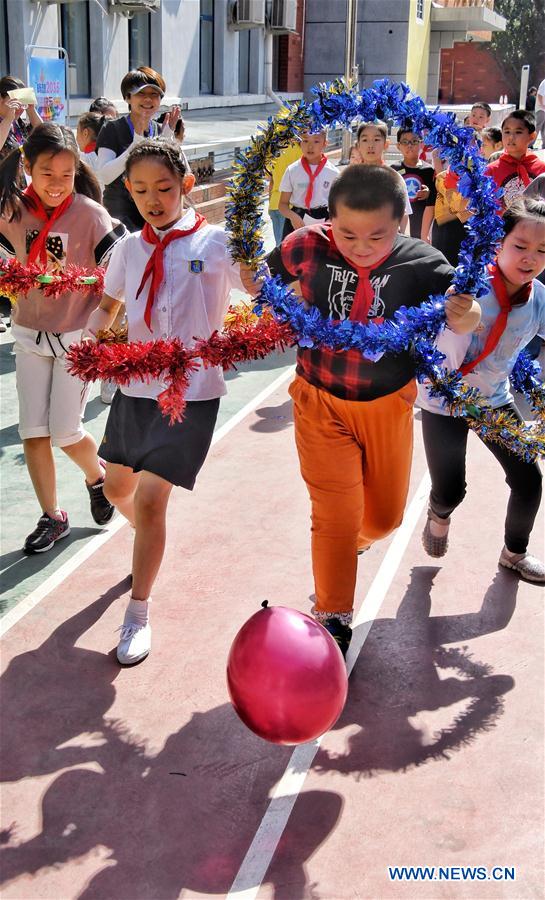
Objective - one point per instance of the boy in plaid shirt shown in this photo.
(353, 417)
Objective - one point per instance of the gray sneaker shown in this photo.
(528, 567)
(434, 546)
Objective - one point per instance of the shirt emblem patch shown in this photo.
(196, 266)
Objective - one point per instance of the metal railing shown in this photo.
(488, 4)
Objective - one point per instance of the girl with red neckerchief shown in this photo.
(174, 279)
(512, 314)
(53, 222)
(89, 125)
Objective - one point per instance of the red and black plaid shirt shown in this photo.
(412, 272)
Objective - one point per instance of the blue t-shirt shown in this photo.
(491, 375)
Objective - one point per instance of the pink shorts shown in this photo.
(51, 402)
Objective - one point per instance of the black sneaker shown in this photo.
(47, 531)
(101, 508)
(340, 633)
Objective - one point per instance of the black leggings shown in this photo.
(445, 440)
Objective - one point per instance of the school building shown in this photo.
(399, 39)
(238, 52)
(210, 52)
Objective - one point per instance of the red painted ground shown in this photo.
(142, 783)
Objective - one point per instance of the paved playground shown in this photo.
(142, 784)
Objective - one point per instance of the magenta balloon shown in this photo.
(286, 676)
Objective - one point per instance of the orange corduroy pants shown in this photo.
(355, 458)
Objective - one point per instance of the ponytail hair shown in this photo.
(46, 138)
(93, 121)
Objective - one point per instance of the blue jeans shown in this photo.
(278, 221)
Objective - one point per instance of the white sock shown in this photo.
(137, 612)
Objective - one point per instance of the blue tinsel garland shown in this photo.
(338, 104)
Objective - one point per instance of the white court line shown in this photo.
(261, 851)
(25, 606)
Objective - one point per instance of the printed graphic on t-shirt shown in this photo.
(342, 289)
(56, 247)
(414, 185)
(513, 187)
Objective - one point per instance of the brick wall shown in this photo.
(290, 56)
(469, 72)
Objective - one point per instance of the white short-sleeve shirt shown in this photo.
(295, 180)
(491, 375)
(190, 303)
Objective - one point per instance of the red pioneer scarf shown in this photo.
(154, 265)
(312, 177)
(365, 294)
(90, 147)
(499, 326)
(38, 249)
(506, 165)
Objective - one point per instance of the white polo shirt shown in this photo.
(295, 180)
(190, 303)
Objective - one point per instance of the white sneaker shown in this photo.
(134, 643)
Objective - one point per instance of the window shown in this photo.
(419, 10)
(244, 61)
(4, 51)
(75, 40)
(206, 47)
(140, 40)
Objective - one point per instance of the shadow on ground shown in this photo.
(192, 809)
(183, 818)
(405, 673)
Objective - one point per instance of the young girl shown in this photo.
(87, 132)
(512, 313)
(174, 279)
(53, 222)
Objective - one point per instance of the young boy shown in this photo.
(372, 143)
(480, 116)
(305, 185)
(419, 178)
(491, 142)
(353, 417)
(516, 168)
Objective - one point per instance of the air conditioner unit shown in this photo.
(130, 7)
(283, 16)
(247, 14)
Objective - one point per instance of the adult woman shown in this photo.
(142, 89)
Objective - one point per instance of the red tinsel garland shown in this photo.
(15, 278)
(173, 362)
